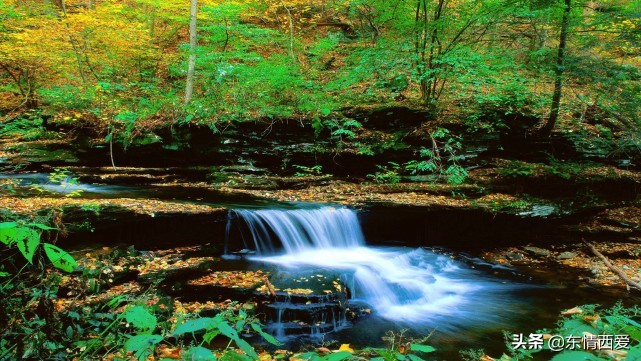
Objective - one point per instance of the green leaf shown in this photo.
(59, 258)
(10, 235)
(5, 225)
(634, 354)
(227, 330)
(269, 338)
(199, 353)
(207, 337)
(142, 345)
(631, 322)
(338, 356)
(575, 356)
(204, 323)
(414, 358)
(421, 348)
(141, 318)
(27, 240)
(633, 331)
(230, 355)
(243, 345)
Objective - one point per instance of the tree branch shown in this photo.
(615, 269)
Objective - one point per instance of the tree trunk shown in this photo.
(548, 126)
(191, 68)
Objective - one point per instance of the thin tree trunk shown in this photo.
(291, 33)
(548, 126)
(191, 68)
(78, 60)
(90, 4)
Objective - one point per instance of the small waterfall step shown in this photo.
(313, 315)
(403, 285)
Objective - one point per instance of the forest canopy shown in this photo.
(123, 64)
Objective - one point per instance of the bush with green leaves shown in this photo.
(62, 181)
(313, 171)
(228, 323)
(29, 327)
(386, 174)
(441, 159)
(26, 237)
(617, 320)
(555, 169)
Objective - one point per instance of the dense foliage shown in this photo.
(123, 63)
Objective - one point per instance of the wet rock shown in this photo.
(513, 256)
(566, 255)
(536, 251)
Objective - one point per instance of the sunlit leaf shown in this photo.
(204, 323)
(269, 338)
(421, 348)
(198, 353)
(338, 356)
(41, 226)
(5, 225)
(59, 258)
(246, 347)
(27, 240)
(142, 345)
(141, 318)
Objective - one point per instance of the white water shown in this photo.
(67, 185)
(400, 284)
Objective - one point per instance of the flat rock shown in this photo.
(512, 256)
(536, 251)
(566, 255)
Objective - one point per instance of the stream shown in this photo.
(460, 300)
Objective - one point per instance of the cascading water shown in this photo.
(303, 230)
(413, 286)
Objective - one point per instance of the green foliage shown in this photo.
(27, 126)
(228, 324)
(63, 179)
(313, 171)
(31, 329)
(441, 159)
(142, 345)
(386, 174)
(141, 319)
(617, 320)
(27, 240)
(555, 169)
(401, 348)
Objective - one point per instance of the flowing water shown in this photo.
(414, 287)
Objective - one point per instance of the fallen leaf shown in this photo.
(345, 348)
(572, 311)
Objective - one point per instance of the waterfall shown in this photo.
(302, 230)
(399, 284)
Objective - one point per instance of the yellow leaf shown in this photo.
(345, 347)
(572, 311)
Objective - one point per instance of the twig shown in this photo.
(616, 270)
(270, 288)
